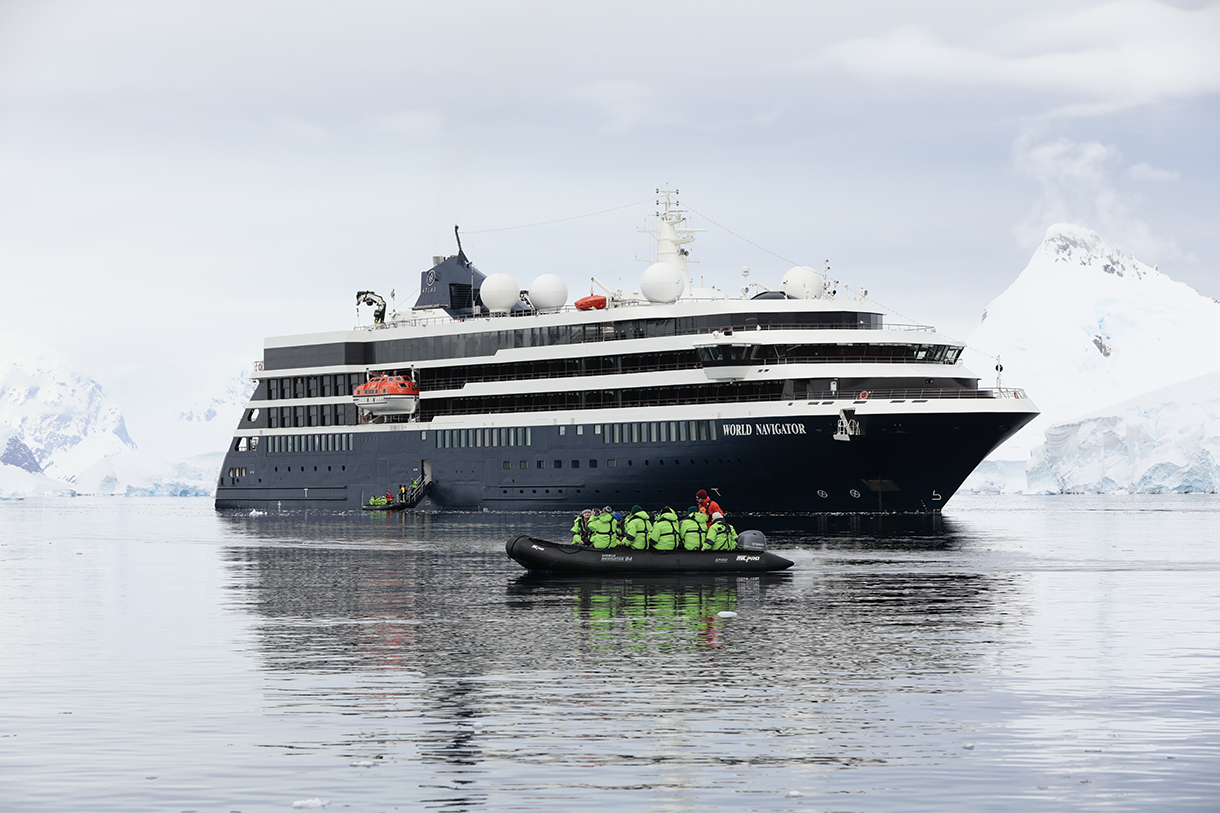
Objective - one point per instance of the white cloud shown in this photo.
(412, 123)
(1147, 172)
(1108, 57)
(1077, 181)
(629, 105)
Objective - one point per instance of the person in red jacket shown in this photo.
(707, 506)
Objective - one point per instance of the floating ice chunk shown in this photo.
(727, 614)
(795, 793)
(362, 763)
(969, 746)
(306, 804)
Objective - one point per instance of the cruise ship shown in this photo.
(488, 396)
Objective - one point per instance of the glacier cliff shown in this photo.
(1166, 441)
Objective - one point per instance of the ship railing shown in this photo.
(458, 381)
(608, 334)
(550, 402)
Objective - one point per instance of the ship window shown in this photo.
(681, 430)
(478, 437)
(617, 433)
(461, 438)
(597, 428)
(576, 464)
(312, 384)
(580, 430)
(652, 432)
(524, 464)
(702, 430)
(559, 464)
(253, 416)
(529, 436)
(635, 433)
(611, 463)
(328, 385)
(542, 464)
(694, 430)
(712, 426)
(253, 444)
(592, 464)
(313, 416)
(240, 446)
(273, 418)
(508, 464)
(562, 430)
(664, 432)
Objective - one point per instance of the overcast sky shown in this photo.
(179, 180)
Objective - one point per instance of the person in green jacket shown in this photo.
(664, 532)
(601, 528)
(720, 534)
(635, 528)
(692, 529)
(580, 528)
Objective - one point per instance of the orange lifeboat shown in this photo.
(388, 395)
(590, 303)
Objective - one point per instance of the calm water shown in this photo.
(1041, 654)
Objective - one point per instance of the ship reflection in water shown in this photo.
(450, 655)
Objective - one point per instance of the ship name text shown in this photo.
(748, 429)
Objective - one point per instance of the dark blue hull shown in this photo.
(901, 462)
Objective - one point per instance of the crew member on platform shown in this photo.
(707, 505)
(635, 528)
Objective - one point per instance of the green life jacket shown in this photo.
(691, 530)
(580, 531)
(601, 531)
(635, 530)
(721, 536)
(664, 532)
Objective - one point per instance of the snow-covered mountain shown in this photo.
(1085, 326)
(182, 446)
(1164, 441)
(60, 417)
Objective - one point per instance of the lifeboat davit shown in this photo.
(590, 303)
(388, 395)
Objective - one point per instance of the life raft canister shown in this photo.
(591, 303)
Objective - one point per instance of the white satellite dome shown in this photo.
(661, 283)
(548, 292)
(802, 282)
(500, 293)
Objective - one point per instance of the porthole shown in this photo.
(854, 493)
(253, 416)
(822, 493)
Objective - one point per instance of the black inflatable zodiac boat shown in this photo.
(538, 555)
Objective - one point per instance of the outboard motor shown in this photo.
(751, 540)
